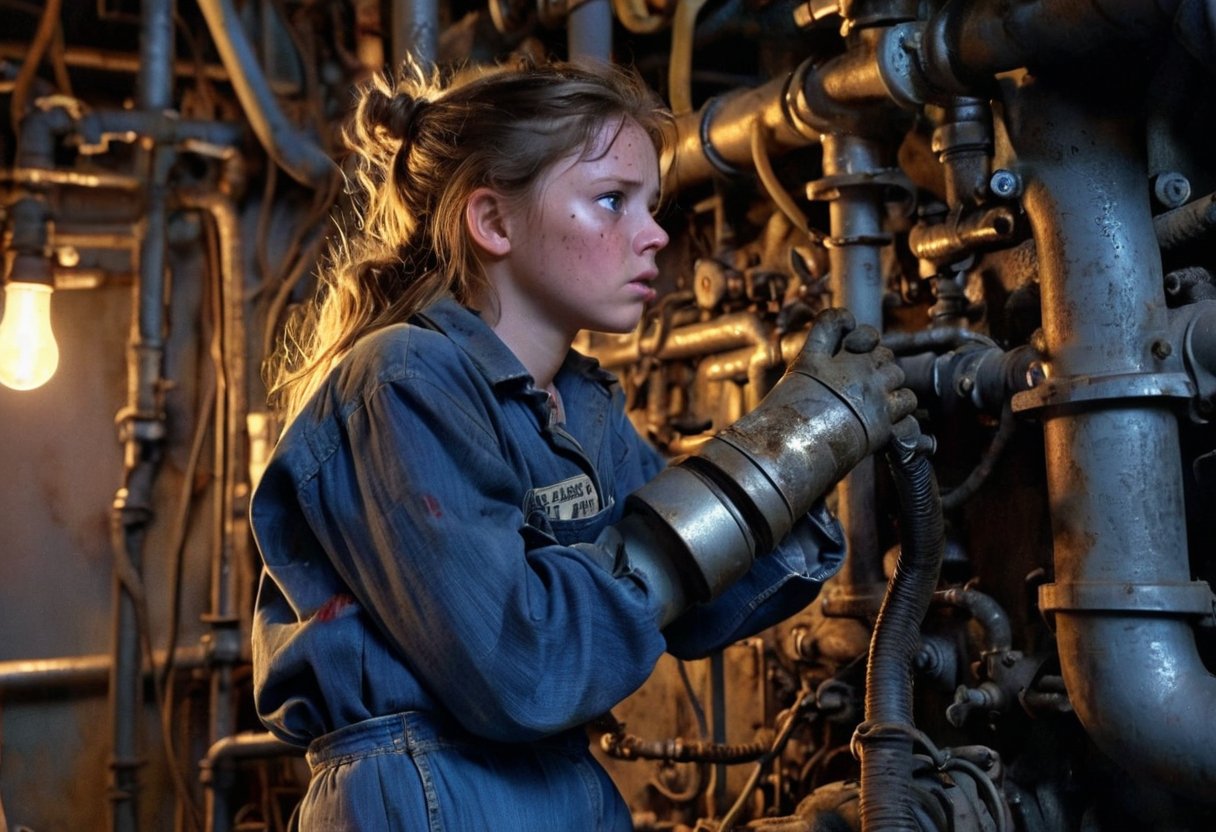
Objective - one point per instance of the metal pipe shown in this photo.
(968, 43)
(1122, 587)
(78, 673)
(41, 177)
(725, 333)
(987, 613)
(142, 426)
(679, 76)
(589, 32)
(415, 32)
(231, 544)
(718, 136)
(298, 155)
(215, 769)
(154, 86)
(105, 60)
(857, 238)
(962, 235)
(1186, 223)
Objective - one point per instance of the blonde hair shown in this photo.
(419, 150)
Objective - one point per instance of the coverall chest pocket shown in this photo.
(566, 512)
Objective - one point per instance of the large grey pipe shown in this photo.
(969, 42)
(290, 148)
(589, 32)
(1123, 584)
(415, 32)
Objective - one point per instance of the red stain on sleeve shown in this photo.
(331, 608)
(432, 506)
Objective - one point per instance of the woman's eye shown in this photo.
(613, 201)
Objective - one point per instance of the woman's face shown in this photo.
(583, 253)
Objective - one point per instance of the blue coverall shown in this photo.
(435, 620)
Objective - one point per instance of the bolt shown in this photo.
(1162, 349)
(965, 385)
(1171, 189)
(1005, 184)
(1036, 373)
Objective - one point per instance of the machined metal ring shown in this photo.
(1193, 598)
(707, 146)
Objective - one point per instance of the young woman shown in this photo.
(454, 579)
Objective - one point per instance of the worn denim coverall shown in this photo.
(435, 620)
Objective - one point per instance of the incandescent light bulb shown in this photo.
(28, 352)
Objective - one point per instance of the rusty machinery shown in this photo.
(1018, 194)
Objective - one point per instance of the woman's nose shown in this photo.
(652, 237)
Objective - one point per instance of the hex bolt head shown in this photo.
(1171, 189)
(1162, 349)
(1005, 184)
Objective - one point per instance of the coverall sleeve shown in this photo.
(777, 586)
(518, 639)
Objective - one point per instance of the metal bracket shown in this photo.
(1193, 598)
(1083, 388)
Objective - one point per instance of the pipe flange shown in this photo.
(832, 187)
(1193, 598)
(712, 155)
(1085, 389)
(793, 102)
(859, 240)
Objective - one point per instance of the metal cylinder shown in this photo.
(718, 136)
(1114, 474)
(294, 151)
(589, 33)
(967, 43)
(415, 32)
(857, 237)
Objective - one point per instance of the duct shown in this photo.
(1123, 590)
(293, 151)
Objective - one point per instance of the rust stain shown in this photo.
(333, 607)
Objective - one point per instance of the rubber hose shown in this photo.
(887, 750)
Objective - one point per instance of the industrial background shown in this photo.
(1019, 193)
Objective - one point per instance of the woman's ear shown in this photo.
(485, 216)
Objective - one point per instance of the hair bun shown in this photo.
(396, 114)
